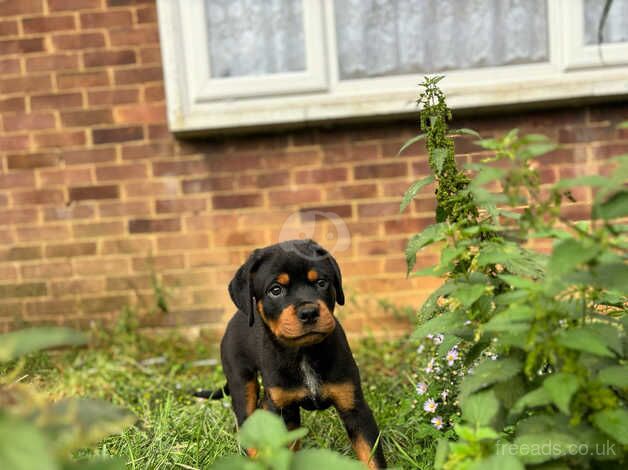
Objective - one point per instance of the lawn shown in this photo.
(152, 376)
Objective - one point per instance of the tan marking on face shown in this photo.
(341, 394)
(283, 397)
(251, 393)
(283, 279)
(312, 275)
(363, 452)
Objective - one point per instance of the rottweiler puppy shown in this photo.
(285, 331)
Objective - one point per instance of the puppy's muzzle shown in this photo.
(308, 314)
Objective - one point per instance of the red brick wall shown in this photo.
(95, 193)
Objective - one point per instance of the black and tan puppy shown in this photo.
(285, 331)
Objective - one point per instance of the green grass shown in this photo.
(175, 430)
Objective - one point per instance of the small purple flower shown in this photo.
(452, 355)
(421, 388)
(437, 421)
(430, 405)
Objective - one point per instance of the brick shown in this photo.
(49, 307)
(56, 101)
(31, 160)
(138, 75)
(105, 58)
(9, 66)
(55, 62)
(46, 270)
(188, 279)
(180, 205)
(70, 250)
(378, 209)
(38, 196)
(134, 36)
(72, 80)
(127, 245)
(22, 46)
(106, 19)
(111, 303)
(424, 205)
(13, 142)
(321, 175)
(384, 170)
(71, 5)
(46, 24)
(158, 263)
(154, 93)
(357, 191)
(100, 266)
(10, 309)
(30, 84)
(327, 212)
(147, 14)
(150, 150)
(98, 229)
(60, 139)
(117, 134)
(179, 167)
(121, 172)
(65, 177)
(43, 233)
(120, 3)
(6, 237)
(575, 211)
(382, 247)
(203, 185)
(76, 287)
(8, 28)
(28, 121)
(293, 196)
(17, 180)
(80, 157)
(197, 241)
(18, 216)
(112, 97)
(407, 225)
(21, 253)
(154, 225)
(562, 155)
(151, 55)
(148, 113)
(204, 222)
(151, 188)
(610, 150)
(237, 201)
(73, 211)
(129, 283)
(94, 192)
(86, 118)
(12, 105)
(158, 131)
(120, 209)
(32, 289)
(78, 41)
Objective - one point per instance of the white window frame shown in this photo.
(198, 104)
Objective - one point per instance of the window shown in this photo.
(247, 63)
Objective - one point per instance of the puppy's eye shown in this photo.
(322, 283)
(276, 290)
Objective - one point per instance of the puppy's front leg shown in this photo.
(359, 422)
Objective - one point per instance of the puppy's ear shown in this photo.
(340, 295)
(241, 286)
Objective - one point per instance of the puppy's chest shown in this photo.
(311, 379)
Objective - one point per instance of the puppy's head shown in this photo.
(293, 286)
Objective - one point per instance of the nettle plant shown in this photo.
(544, 335)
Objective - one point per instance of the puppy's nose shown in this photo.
(308, 314)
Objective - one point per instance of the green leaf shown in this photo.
(19, 343)
(568, 254)
(263, 430)
(442, 449)
(438, 157)
(561, 388)
(480, 408)
(536, 150)
(541, 447)
(587, 180)
(467, 294)
(614, 423)
(583, 339)
(615, 376)
(318, 459)
(488, 373)
(537, 397)
(612, 208)
(410, 142)
(498, 462)
(465, 131)
(237, 462)
(518, 281)
(431, 234)
(444, 323)
(413, 190)
(515, 318)
(23, 447)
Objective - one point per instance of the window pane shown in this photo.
(393, 37)
(255, 37)
(616, 26)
